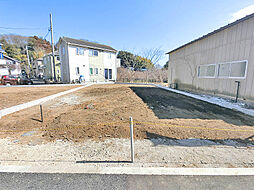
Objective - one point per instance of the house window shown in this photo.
(80, 51)
(90, 52)
(77, 70)
(206, 71)
(58, 58)
(109, 55)
(63, 50)
(106, 73)
(110, 73)
(91, 71)
(96, 71)
(235, 69)
(95, 53)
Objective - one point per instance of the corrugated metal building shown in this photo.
(214, 62)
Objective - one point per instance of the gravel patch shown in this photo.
(116, 152)
(71, 99)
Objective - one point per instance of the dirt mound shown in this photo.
(105, 116)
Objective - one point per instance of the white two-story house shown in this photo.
(81, 59)
(8, 65)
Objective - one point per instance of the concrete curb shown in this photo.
(13, 109)
(63, 168)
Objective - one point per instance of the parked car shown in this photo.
(23, 79)
(9, 79)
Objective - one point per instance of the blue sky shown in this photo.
(132, 25)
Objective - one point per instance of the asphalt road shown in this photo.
(102, 181)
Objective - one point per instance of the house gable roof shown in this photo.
(7, 57)
(88, 44)
(214, 32)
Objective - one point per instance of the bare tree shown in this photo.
(151, 75)
(154, 54)
(190, 62)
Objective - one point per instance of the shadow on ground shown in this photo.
(34, 119)
(170, 105)
(168, 141)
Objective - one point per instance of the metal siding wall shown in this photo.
(232, 44)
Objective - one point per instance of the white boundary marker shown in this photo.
(82, 168)
(132, 140)
(19, 107)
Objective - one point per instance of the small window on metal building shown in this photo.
(236, 69)
(206, 71)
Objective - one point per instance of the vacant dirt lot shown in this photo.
(102, 111)
(11, 96)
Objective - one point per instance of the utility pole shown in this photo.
(28, 61)
(52, 44)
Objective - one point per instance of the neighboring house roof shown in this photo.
(88, 44)
(7, 57)
(215, 31)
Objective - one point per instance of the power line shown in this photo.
(47, 34)
(14, 28)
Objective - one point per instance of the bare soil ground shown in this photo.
(101, 112)
(11, 96)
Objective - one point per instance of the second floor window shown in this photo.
(63, 50)
(79, 51)
(93, 52)
(90, 52)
